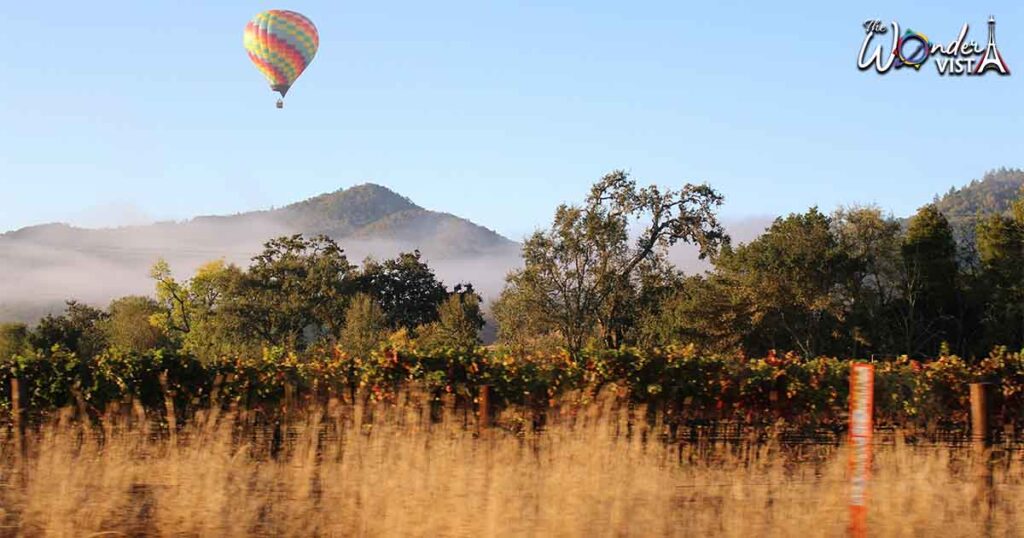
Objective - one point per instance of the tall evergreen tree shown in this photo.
(1001, 254)
(929, 310)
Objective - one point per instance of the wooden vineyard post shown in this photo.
(218, 380)
(172, 420)
(83, 410)
(448, 405)
(484, 408)
(981, 431)
(18, 416)
(862, 395)
(289, 396)
(981, 440)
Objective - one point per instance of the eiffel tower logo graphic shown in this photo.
(991, 59)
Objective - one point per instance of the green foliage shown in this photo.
(596, 303)
(365, 327)
(52, 379)
(792, 280)
(194, 313)
(519, 327)
(132, 325)
(932, 285)
(295, 292)
(872, 242)
(853, 283)
(581, 276)
(458, 324)
(706, 311)
(1001, 254)
(13, 340)
(77, 330)
(405, 287)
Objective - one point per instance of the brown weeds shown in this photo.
(389, 470)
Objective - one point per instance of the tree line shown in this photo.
(297, 295)
(853, 283)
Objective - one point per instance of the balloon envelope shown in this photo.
(281, 44)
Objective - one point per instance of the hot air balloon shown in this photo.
(281, 44)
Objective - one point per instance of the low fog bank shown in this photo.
(43, 266)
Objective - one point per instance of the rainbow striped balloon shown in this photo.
(281, 44)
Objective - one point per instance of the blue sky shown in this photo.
(121, 111)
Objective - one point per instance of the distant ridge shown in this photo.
(43, 265)
(994, 193)
(369, 212)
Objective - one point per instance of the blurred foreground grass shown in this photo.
(390, 470)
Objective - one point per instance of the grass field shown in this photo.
(388, 470)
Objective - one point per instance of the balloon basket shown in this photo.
(280, 103)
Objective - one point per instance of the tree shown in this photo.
(928, 313)
(458, 324)
(700, 310)
(296, 292)
(1000, 241)
(132, 325)
(406, 289)
(13, 340)
(76, 330)
(293, 293)
(579, 275)
(871, 242)
(194, 312)
(791, 279)
(365, 327)
(520, 328)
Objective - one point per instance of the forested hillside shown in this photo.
(993, 194)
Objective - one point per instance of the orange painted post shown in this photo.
(862, 396)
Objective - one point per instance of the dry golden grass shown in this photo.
(390, 471)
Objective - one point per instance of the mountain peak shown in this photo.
(345, 210)
(371, 194)
(370, 191)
